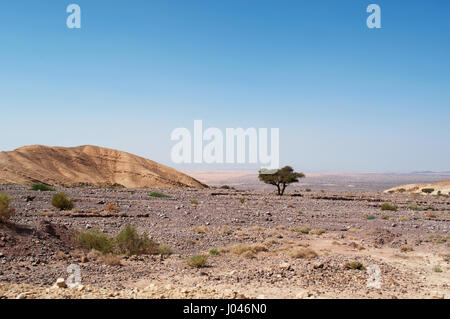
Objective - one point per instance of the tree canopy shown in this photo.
(280, 178)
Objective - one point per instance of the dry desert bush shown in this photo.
(304, 253)
(317, 231)
(200, 229)
(406, 248)
(390, 207)
(199, 261)
(301, 229)
(245, 250)
(127, 242)
(5, 211)
(111, 260)
(112, 208)
(356, 265)
(62, 202)
(226, 230)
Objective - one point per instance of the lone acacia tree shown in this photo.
(280, 178)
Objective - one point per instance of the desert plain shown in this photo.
(309, 243)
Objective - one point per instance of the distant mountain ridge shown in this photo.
(87, 165)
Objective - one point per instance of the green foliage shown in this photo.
(437, 269)
(370, 217)
(42, 188)
(427, 190)
(5, 211)
(415, 208)
(95, 239)
(280, 178)
(165, 250)
(214, 252)
(129, 242)
(390, 207)
(194, 202)
(62, 202)
(199, 261)
(159, 195)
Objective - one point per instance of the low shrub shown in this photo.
(317, 231)
(304, 253)
(415, 208)
(165, 250)
(200, 229)
(214, 252)
(226, 230)
(406, 248)
(112, 208)
(301, 229)
(390, 207)
(95, 240)
(439, 239)
(199, 261)
(370, 217)
(62, 202)
(246, 250)
(42, 188)
(158, 195)
(111, 260)
(437, 269)
(354, 265)
(5, 211)
(129, 242)
(427, 190)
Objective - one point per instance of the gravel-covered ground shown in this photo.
(411, 247)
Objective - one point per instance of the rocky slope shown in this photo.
(87, 165)
(442, 187)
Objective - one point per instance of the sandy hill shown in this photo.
(72, 166)
(443, 187)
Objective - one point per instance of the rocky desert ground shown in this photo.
(306, 244)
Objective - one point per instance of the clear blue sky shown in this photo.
(345, 97)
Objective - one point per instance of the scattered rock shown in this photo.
(60, 283)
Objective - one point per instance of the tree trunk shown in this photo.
(279, 190)
(282, 190)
